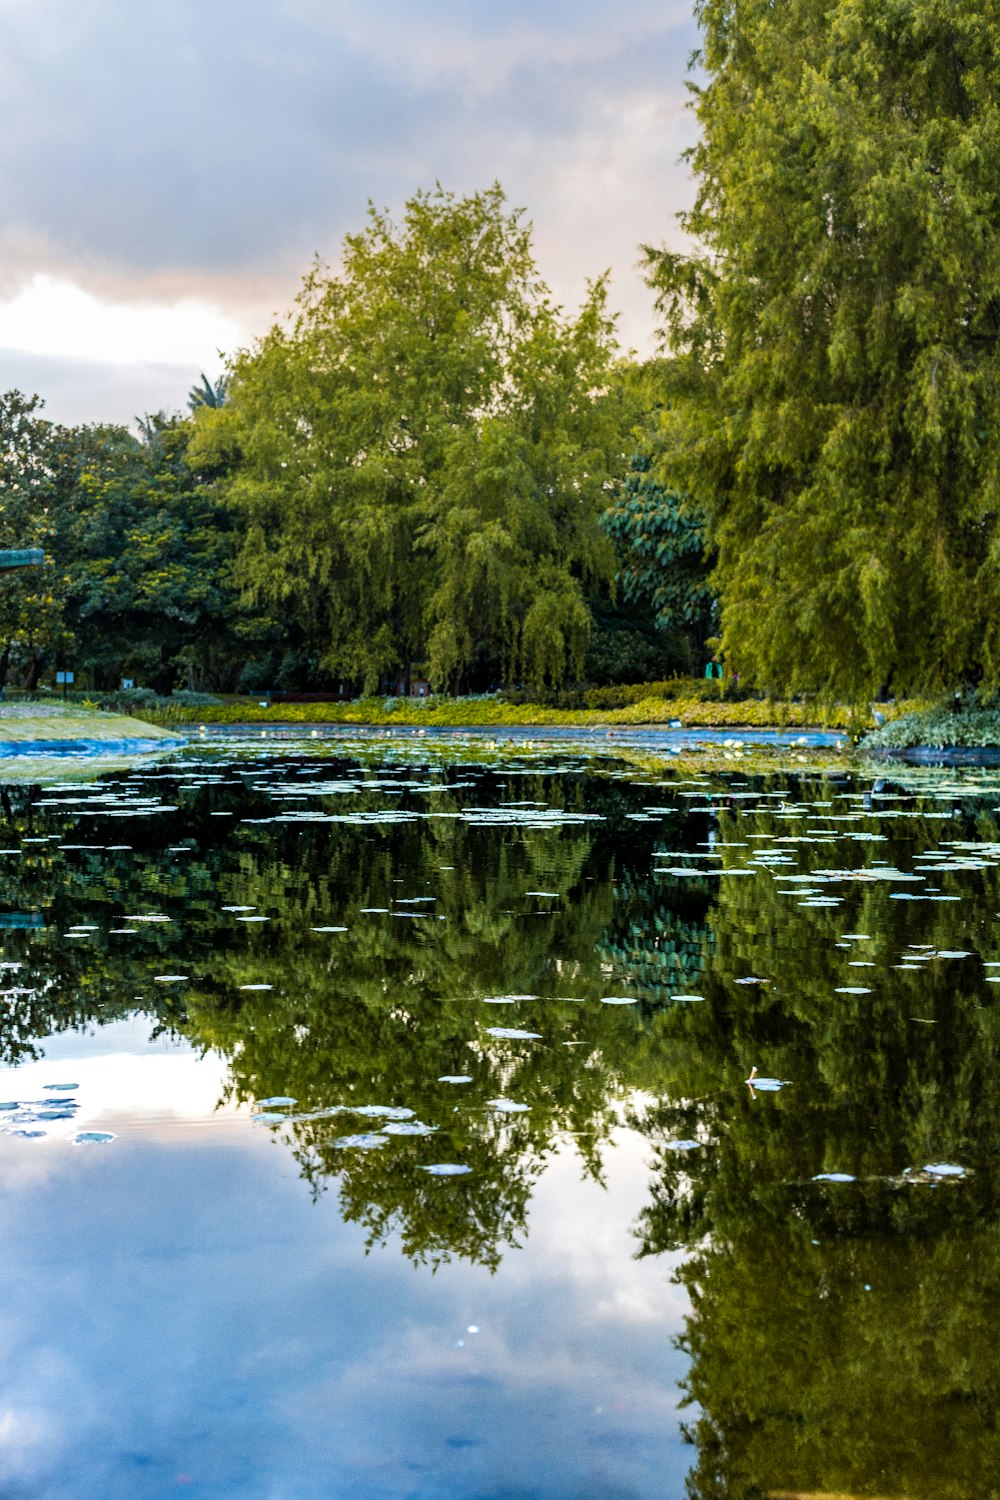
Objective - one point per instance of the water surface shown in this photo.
(376, 1125)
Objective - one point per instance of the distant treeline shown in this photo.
(429, 473)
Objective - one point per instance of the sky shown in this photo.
(170, 169)
(177, 1310)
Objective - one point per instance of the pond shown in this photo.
(490, 1121)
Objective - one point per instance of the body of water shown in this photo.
(387, 1121)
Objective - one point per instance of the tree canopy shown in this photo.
(33, 467)
(424, 450)
(835, 382)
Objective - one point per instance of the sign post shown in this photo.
(65, 678)
(22, 557)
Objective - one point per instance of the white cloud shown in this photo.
(54, 317)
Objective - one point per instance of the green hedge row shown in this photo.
(489, 712)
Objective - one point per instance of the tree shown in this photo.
(32, 477)
(204, 393)
(147, 550)
(424, 451)
(660, 542)
(835, 396)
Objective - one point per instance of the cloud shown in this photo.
(56, 318)
(81, 390)
(175, 1307)
(175, 151)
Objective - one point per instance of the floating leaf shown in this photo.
(380, 1111)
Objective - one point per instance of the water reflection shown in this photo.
(349, 939)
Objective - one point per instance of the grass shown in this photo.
(489, 712)
(69, 723)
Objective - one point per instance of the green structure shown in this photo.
(22, 557)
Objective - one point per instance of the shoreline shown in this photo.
(29, 730)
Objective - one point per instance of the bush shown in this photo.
(619, 654)
(709, 709)
(976, 724)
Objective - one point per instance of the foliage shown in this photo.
(205, 393)
(487, 711)
(833, 398)
(623, 650)
(618, 695)
(32, 485)
(660, 545)
(941, 727)
(147, 550)
(424, 451)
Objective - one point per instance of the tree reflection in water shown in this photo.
(841, 1332)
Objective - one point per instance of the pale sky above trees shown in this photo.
(170, 169)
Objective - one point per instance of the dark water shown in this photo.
(641, 1277)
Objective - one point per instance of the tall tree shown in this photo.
(837, 405)
(660, 543)
(424, 450)
(147, 550)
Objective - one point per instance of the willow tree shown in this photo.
(836, 338)
(423, 451)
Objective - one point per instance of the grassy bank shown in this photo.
(71, 723)
(439, 713)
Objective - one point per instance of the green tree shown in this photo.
(424, 451)
(204, 393)
(32, 481)
(147, 549)
(660, 543)
(835, 386)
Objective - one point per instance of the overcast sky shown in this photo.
(170, 167)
